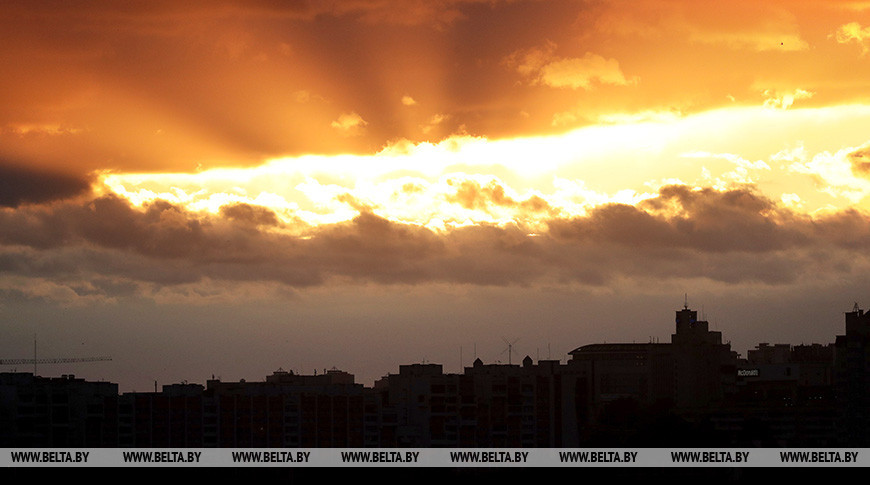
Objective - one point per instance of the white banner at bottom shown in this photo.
(435, 457)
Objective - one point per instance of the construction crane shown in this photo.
(62, 360)
(66, 360)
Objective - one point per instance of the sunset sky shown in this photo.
(228, 187)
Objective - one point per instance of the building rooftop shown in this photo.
(617, 347)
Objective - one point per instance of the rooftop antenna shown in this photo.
(854, 309)
(510, 348)
(686, 302)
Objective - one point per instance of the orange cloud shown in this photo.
(349, 123)
(784, 100)
(854, 32)
(544, 67)
(470, 194)
(860, 161)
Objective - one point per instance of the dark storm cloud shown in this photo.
(255, 215)
(707, 220)
(849, 229)
(734, 237)
(20, 185)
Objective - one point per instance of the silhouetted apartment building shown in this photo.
(424, 407)
(693, 372)
(56, 411)
(174, 417)
(285, 410)
(488, 405)
(705, 367)
(622, 371)
(784, 398)
(852, 377)
(786, 373)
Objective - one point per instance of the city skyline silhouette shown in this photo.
(693, 390)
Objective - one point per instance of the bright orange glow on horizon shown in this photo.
(783, 153)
